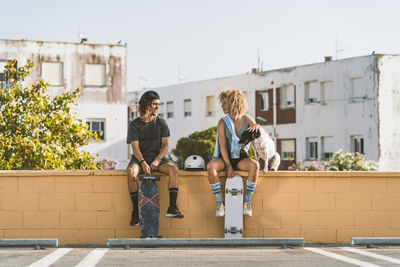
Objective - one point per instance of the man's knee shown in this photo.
(132, 172)
(173, 170)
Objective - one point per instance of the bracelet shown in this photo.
(141, 161)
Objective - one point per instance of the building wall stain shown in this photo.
(74, 57)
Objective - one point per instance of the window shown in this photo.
(264, 100)
(97, 126)
(327, 147)
(187, 107)
(327, 92)
(312, 148)
(288, 149)
(357, 144)
(161, 110)
(95, 75)
(132, 115)
(357, 92)
(3, 64)
(3, 82)
(170, 109)
(52, 72)
(287, 96)
(311, 92)
(210, 106)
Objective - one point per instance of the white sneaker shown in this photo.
(247, 209)
(220, 211)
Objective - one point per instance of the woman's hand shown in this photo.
(229, 171)
(256, 127)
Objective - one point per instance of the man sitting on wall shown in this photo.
(149, 138)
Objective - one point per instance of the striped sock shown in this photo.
(216, 189)
(250, 187)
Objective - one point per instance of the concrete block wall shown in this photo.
(87, 207)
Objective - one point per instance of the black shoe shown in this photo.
(173, 212)
(135, 218)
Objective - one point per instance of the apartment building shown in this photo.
(311, 111)
(101, 71)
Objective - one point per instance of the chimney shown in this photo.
(328, 59)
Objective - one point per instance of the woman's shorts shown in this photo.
(149, 160)
(234, 162)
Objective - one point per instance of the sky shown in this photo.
(206, 39)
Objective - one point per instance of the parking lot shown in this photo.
(254, 256)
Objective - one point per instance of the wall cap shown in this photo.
(323, 174)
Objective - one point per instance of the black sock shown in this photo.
(173, 195)
(134, 198)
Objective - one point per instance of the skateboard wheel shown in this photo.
(241, 232)
(226, 231)
(226, 191)
(241, 191)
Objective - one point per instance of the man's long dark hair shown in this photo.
(145, 102)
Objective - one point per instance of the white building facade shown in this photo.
(312, 110)
(99, 69)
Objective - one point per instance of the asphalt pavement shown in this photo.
(244, 257)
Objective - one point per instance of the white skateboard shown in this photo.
(234, 207)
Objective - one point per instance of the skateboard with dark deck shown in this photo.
(149, 206)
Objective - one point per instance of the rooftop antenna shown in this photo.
(80, 35)
(180, 76)
(258, 60)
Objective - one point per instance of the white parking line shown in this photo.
(51, 258)
(372, 255)
(93, 257)
(341, 258)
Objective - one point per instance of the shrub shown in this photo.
(107, 164)
(350, 162)
(313, 167)
(340, 162)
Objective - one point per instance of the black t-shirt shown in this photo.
(148, 134)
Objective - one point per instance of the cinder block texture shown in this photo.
(88, 207)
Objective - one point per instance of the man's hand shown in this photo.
(146, 168)
(154, 164)
(229, 171)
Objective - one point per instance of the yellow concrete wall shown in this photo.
(87, 207)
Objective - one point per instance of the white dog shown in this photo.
(264, 148)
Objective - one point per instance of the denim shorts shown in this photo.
(149, 160)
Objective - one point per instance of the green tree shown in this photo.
(39, 132)
(200, 143)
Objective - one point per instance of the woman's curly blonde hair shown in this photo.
(236, 100)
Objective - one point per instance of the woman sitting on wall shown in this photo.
(228, 153)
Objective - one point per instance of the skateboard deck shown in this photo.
(234, 207)
(149, 206)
